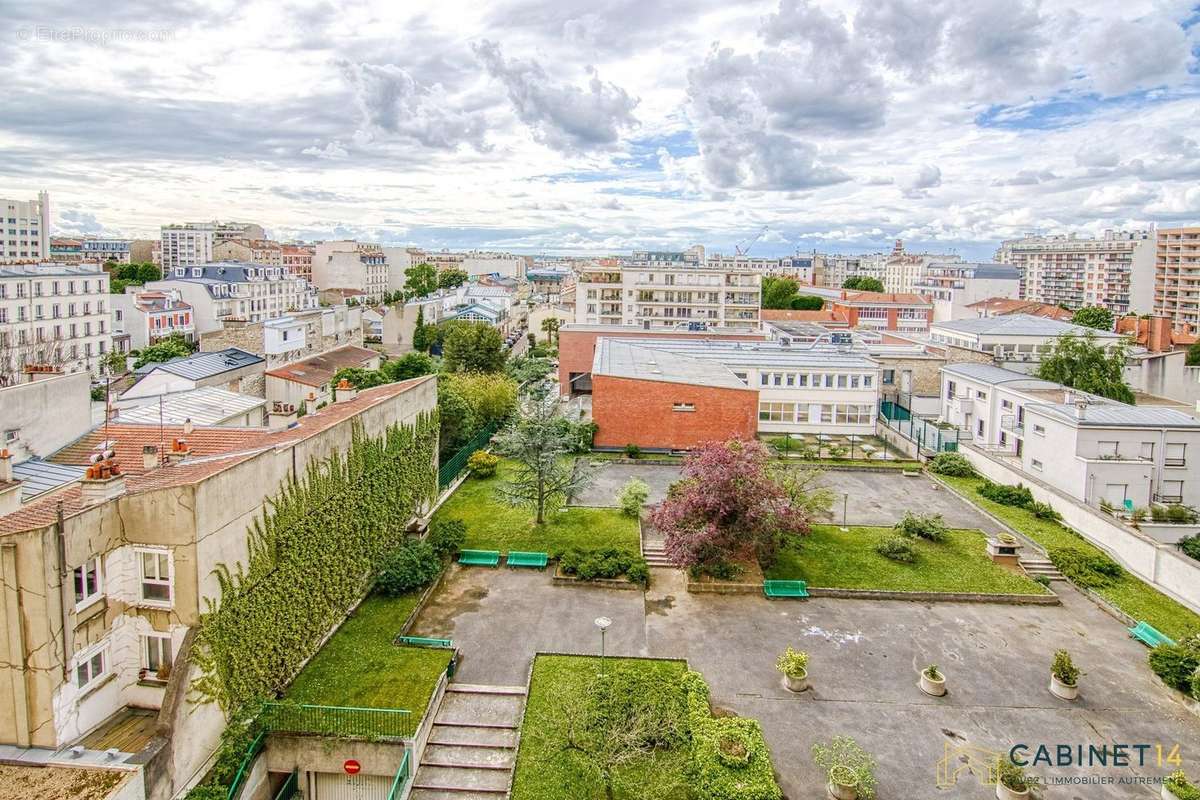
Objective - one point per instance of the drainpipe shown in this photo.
(62, 584)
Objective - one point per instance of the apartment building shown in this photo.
(799, 268)
(1090, 448)
(222, 290)
(1177, 275)
(348, 265)
(53, 315)
(668, 290)
(25, 230)
(1115, 271)
(146, 316)
(249, 251)
(954, 287)
(888, 311)
(65, 250)
(192, 243)
(291, 337)
(1013, 338)
(476, 262)
(298, 259)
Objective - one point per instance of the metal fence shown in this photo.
(289, 788)
(458, 462)
(926, 434)
(366, 723)
(244, 768)
(401, 780)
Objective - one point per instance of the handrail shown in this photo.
(401, 779)
(288, 790)
(240, 776)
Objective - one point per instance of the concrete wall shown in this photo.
(23, 408)
(627, 410)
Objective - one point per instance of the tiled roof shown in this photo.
(824, 315)
(127, 439)
(319, 370)
(1001, 306)
(886, 298)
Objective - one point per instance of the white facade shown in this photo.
(149, 316)
(25, 229)
(954, 286)
(351, 265)
(664, 295)
(1115, 271)
(240, 291)
(53, 314)
(193, 242)
(1012, 337)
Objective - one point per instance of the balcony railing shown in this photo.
(366, 723)
(1174, 462)
(1168, 498)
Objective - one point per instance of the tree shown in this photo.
(358, 377)
(491, 396)
(1192, 359)
(1097, 317)
(472, 347)
(1082, 364)
(450, 278)
(113, 363)
(863, 283)
(420, 280)
(807, 302)
(777, 292)
(423, 335)
(409, 365)
(174, 346)
(528, 368)
(728, 508)
(539, 443)
(550, 326)
(457, 422)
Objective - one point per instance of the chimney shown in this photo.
(1081, 405)
(188, 427)
(179, 451)
(345, 392)
(149, 457)
(310, 403)
(281, 415)
(102, 482)
(6, 465)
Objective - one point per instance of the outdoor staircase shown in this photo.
(655, 555)
(472, 745)
(1041, 566)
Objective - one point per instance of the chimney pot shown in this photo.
(6, 465)
(188, 427)
(149, 457)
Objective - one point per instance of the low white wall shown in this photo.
(1168, 534)
(1162, 565)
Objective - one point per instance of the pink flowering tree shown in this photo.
(728, 508)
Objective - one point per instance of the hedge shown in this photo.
(716, 776)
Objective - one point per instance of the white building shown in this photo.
(1115, 271)
(53, 314)
(1016, 338)
(25, 229)
(474, 262)
(192, 243)
(150, 316)
(352, 265)
(954, 286)
(1089, 448)
(239, 291)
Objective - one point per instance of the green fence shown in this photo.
(244, 768)
(289, 788)
(458, 462)
(927, 435)
(401, 780)
(366, 723)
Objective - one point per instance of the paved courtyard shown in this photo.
(866, 656)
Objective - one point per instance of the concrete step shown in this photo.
(479, 688)
(473, 735)
(470, 779)
(442, 755)
(452, 794)
(481, 709)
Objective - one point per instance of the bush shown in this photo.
(589, 564)
(1044, 511)
(897, 548)
(447, 536)
(1179, 785)
(717, 769)
(930, 527)
(846, 756)
(1190, 545)
(639, 573)
(626, 693)
(632, 497)
(955, 465)
(1089, 570)
(482, 464)
(720, 570)
(1041, 580)
(1176, 664)
(1064, 668)
(409, 567)
(1006, 495)
(1181, 515)
(792, 663)
(632, 450)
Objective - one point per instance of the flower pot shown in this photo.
(796, 683)
(842, 791)
(1167, 794)
(1005, 793)
(1063, 691)
(931, 686)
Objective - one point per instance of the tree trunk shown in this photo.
(541, 498)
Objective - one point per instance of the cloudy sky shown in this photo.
(607, 125)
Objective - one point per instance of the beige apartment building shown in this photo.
(348, 264)
(251, 251)
(1177, 275)
(298, 259)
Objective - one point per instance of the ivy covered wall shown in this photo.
(312, 555)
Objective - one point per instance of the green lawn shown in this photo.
(547, 771)
(834, 559)
(1130, 594)
(493, 524)
(360, 667)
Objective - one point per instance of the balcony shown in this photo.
(1168, 498)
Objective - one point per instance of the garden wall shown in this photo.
(1161, 565)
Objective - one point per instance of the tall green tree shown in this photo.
(472, 347)
(422, 337)
(863, 283)
(1192, 359)
(409, 365)
(450, 278)
(1097, 317)
(1081, 363)
(174, 346)
(550, 326)
(777, 292)
(420, 280)
(807, 302)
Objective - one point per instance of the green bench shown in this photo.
(785, 588)
(479, 558)
(517, 558)
(423, 641)
(1145, 633)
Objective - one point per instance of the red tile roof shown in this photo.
(822, 316)
(319, 370)
(1003, 306)
(891, 298)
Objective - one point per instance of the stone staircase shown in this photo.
(1041, 566)
(655, 555)
(472, 745)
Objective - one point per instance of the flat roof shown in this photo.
(208, 405)
(993, 375)
(1018, 325)
(1116, 415)
(630, 358)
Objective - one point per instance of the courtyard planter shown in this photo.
(933, 682)
(1063, 691)
(1005, 793)
(793, 665)
(1064, 676)
(796, 683)
(843, 784)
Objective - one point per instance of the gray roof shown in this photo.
(771, 354)
(50, 271)
(629, 358)
(992, 375)
(39, 476)
(1019, 325)
(207, 405)
(1120, 415)
(206, 365)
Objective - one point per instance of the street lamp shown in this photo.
(603, 624)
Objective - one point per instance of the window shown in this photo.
(777, 412)
(741, 376)
(841, 381)
(828, 381)
(1147, 451)
(683, 407)
(1172, 492)
(1006, 404)
(803, 379)
(1033, 462)
(889, 378)
(980, 395)
(1107, 449)
(1175, 456)
(950, 387)
(1039, 430)
(88, 584)
(156, 652)
(868, 381)
(764, 379)
(156, 575)
(854, 381)
(91, 666)
(979, 429)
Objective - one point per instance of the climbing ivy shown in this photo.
(313, 554)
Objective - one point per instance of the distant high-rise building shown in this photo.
(1177, 275)
(192, 243)
(25, 230)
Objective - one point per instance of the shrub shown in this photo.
(930, 526)
(733, 748)
(1064, 668)
(590, 564)
(1179, 785)
(1090, 570)
(793, 663)
(447, 536)
(955, 465)
(717, 770)
(1181, 515)
(720, 570)
(639, 573)
(411, 566)
(1190, 545)
(1041, 580)
(1012, 776)
(632, 450)
(933, 673)
(1044, 511)
(482, 464)
(1006, 495)
(633, 496)
(843, 757)
(897, 548)
(626, 693)
(1176, 664)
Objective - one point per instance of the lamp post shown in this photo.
(603, 624)
(845, 502)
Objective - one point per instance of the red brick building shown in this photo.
(888, 311)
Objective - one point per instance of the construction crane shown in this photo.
(742, 248)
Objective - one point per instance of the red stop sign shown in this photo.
(351, 766)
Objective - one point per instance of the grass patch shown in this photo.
(834, 559)
(619, 455)
(360, 667)
(1132, 595)
(493, 524)
(547, 771)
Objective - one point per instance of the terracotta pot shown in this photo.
(1063, 691)
(929, 686)
(796, 683)
(1005, 793)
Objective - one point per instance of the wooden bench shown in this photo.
(1145, 633)
(479, 558)
(423, 641)
(517, 558)
(785, 588)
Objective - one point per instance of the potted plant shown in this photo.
(933, 682)
(1176, 786)
(794, 666)
(1007, 538)
(850, 770)
(1012, 783)
(1064, 676)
